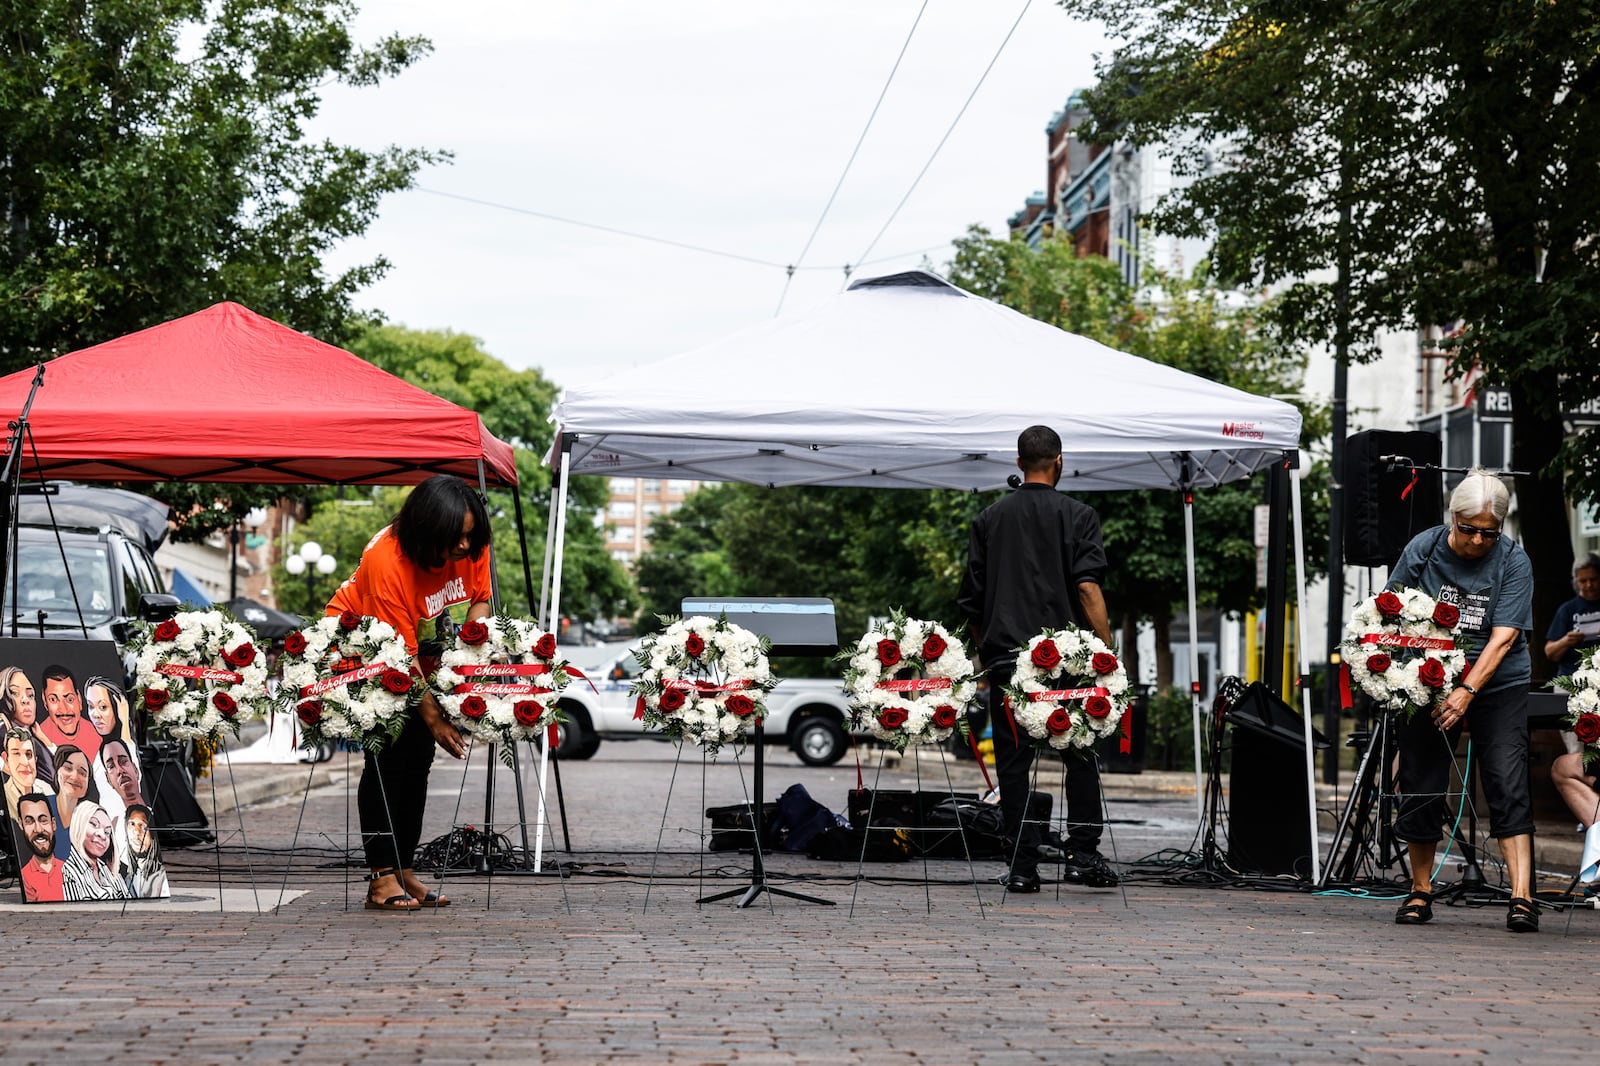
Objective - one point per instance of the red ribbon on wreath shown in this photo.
(328, 684)
(199, 673)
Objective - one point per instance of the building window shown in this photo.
(652, 509)
(622, 484)
(622, 555)
(621, 509)
(624, 533)
(677, 487)
(651, 486)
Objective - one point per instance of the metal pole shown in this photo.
(1305, 672)
(555, 626)
(1196, 710)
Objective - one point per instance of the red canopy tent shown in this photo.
(228, 395)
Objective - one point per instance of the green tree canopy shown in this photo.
(1394, 164)
(154, 161)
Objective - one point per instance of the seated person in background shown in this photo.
(1575, 627)
(1576, 783)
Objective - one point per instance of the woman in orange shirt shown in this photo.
(432, 557)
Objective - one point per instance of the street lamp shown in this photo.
(252, 521)
(310, 561)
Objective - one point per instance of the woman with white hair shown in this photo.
(1469, 564)
(90, 872)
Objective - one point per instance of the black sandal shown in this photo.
(1523, 917)
(1415, 913)
(404, 901)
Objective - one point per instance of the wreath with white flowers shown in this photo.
(1068, 689)
(198, 674)
(499, 680)
(1583, 704)
(909, 682)
(347, 677)
(1400, 648)
(704, 680)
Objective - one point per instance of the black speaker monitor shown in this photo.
(1269, 813)
(1385, 505)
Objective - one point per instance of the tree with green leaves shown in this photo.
(1392, 164)
(154, 161)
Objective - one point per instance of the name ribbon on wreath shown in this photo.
(328, 684)
(1066, 694)
(1394, 640)
(199, 673)
(917, 684)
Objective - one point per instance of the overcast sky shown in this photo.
(723, 125)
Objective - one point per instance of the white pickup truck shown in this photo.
(807, 714)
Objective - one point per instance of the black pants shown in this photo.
(402, 794)
(1013, 764)
(1499, 725)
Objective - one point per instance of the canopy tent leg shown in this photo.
(1305, 668)
(549, 543)
(553, 620)
(1194, 649)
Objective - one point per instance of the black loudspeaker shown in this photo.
(1383, 509)
(179, 821)
(1269, 823)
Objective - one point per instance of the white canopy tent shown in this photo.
(907, 381)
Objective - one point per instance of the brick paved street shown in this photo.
(520, 970)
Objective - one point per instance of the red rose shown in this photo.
(694, 645)
(349, 620)
(167, 630)
(889, 652)
(527, 713)
(348, 664)
(1587, 727)
(672, 699)
(397, 681)
(944, 716)
(1046, 656)
(295, 643)
(1059, 722)
(892, 717)
(1389, 605)
(1103, 663)
(1446, 614)
(1378, 662)
(1431, 673)
(545, 646)
(1097, 706)
(243, 655)
(933, 647)
(310, 711)
(224, 704)
(155, 698)
(741, 706)
(474, 706)
(474, 632)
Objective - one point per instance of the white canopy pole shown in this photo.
(1305, 668)
(552, 620)
(1194, 649)
(544, 577)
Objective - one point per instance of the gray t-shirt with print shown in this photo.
(1496, 590)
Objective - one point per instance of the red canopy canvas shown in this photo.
(227, 395)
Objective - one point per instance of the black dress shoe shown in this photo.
(1019, 881)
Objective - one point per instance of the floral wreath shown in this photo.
(705, 680)
(1068, 689)
(499, 680)
(347, 677)
(1583, 704)
(1400, 648)
(199, 673)
(908, 682)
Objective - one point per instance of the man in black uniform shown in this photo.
(1034, 560)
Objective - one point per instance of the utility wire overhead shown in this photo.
(799, 259)
(938, 147)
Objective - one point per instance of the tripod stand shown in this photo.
(1372, 792)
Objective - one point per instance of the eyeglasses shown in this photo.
(1473, 531)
